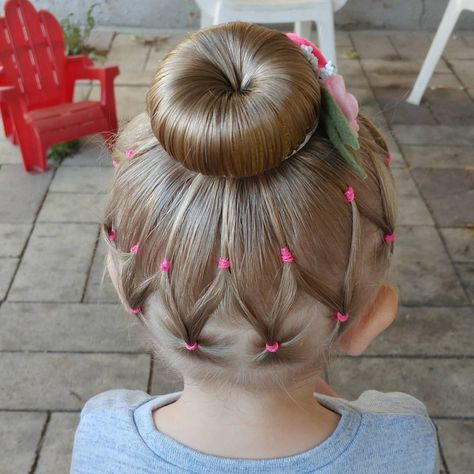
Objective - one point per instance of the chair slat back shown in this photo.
(32, 53)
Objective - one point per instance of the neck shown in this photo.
(233, 422)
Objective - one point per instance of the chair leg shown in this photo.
(445, 29)
(303, 29)
(33, 154)
(327, 37)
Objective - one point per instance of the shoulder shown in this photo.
(396, 428)
(395, 410)
(115, 401)
(106, 435)
(373, 401)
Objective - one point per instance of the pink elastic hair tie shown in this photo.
(165, 265)
(114, 163)
(349, 194)
(134, 248)
(112, 235)
(389, 238)
(342, 317)
(224, 263)
(272, 347)
(136, 310)
(286, 255)
(130, 153)
(388, 159)
(191, 347)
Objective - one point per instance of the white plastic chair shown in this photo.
(451, 15)
(300, 12)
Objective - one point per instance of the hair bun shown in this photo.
(233, 100)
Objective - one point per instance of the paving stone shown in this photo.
(19, 435)
(411, 44)
(448, 193)
(343, 38)
(129, 52)
(82, 91)
(7, 270)
(55, 264)
(434, 135)
(433, 381)
(353, 73)
(460, 243)
(396, 73)
(437, 156)
(465, 71)
(369, 107)
(93, 152)
(134, 78)
(130, 101)
(422, 269)
(411, 208)
(13, 238)
(9, 153)
(374, 45)
(428, 331)
(441, 80)
(397, 157)
(21, 193)
(67, 327)
(101, 40)
(393, 103)
(42, 381)
(82, 180)
(457, 48)
(57, 445)
(99, 286)
(363, 95)
(466, 273)
(451, 107)
(457, 439)
(162, 45)
(468, 38)
(164, 380)
(72, 207)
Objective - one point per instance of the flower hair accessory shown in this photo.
(339, 109)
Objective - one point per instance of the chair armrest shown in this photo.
(82, 67)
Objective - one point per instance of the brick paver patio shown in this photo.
(63, 337)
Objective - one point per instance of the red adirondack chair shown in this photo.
(37, 85)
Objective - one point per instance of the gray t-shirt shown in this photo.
(378, 433)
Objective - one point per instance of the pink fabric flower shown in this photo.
(334, 84)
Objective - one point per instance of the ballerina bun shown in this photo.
(233, 100)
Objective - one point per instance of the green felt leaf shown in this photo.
(345, 152)
(338, 131)
(339, 120)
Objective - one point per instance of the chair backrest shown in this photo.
(32, 53)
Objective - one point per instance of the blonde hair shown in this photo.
(210, 179)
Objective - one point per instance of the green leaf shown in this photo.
(339, 120)
(338, 131)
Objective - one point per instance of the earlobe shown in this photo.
(357, 337)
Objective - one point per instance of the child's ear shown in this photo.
(356, 338)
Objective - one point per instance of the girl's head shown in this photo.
(253, 261)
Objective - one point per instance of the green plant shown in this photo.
(57, 153)
(75, 35)
(75, 38)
